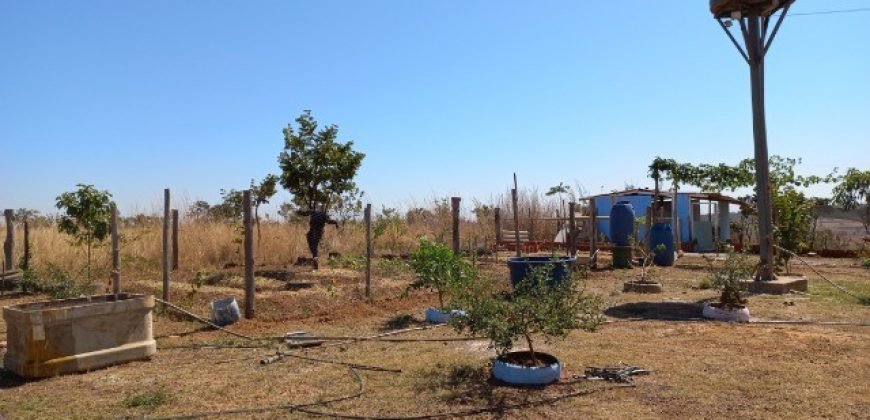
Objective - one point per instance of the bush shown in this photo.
(56, 283)
(534, 307)
(729, 277)
(438, 269)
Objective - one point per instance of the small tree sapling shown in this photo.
(729, 278)
(535, 307)
(438, 269)
(85, 216)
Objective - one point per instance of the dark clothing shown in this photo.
(317, 221)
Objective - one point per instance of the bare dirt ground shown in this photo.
(700, 369)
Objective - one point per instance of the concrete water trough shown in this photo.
(77, 335)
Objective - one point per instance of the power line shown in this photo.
(831, 12)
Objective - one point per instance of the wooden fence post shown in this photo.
(675, 218)
(368, 221)
(26, 263)
(249, 255)
(454, 204)
(9, 244)
(593, 240)
(497, 212)
(572, 229)
(166, 245)
(116, 251)
(516, 222)
(174, 239)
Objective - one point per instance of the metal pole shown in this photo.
(755, 48)
(250, 292)
(116, 252)
(166, 244)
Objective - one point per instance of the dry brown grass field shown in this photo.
(700, 369)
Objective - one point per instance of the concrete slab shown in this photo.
(782, 285)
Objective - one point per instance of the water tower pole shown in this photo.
(754, 18)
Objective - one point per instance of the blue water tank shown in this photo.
(621, 223)
(661, 234)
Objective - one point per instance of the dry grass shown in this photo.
(700, 369)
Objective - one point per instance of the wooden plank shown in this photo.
(248, 220)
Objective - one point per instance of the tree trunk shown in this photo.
(531, 350)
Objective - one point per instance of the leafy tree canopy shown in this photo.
(317, 168)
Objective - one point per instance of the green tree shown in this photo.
(318, 170)
(792, 220)
(852, 192)
(85, 217)
(558, 190)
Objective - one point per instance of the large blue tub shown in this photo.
(520, 267)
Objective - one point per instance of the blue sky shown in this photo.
(444, 97)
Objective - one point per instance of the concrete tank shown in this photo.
(76, 335)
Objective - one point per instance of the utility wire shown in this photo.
(832, 12)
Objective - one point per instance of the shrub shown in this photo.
(729, 277)
(438, 269)
(56, 283)
(534, 307)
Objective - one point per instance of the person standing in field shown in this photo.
(317, 221)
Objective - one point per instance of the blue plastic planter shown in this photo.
(437, 316)
(520, 375)
(521, 266)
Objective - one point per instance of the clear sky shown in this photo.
(444, 97)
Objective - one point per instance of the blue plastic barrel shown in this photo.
(520, 267)
(621, 223)
(661, 234)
